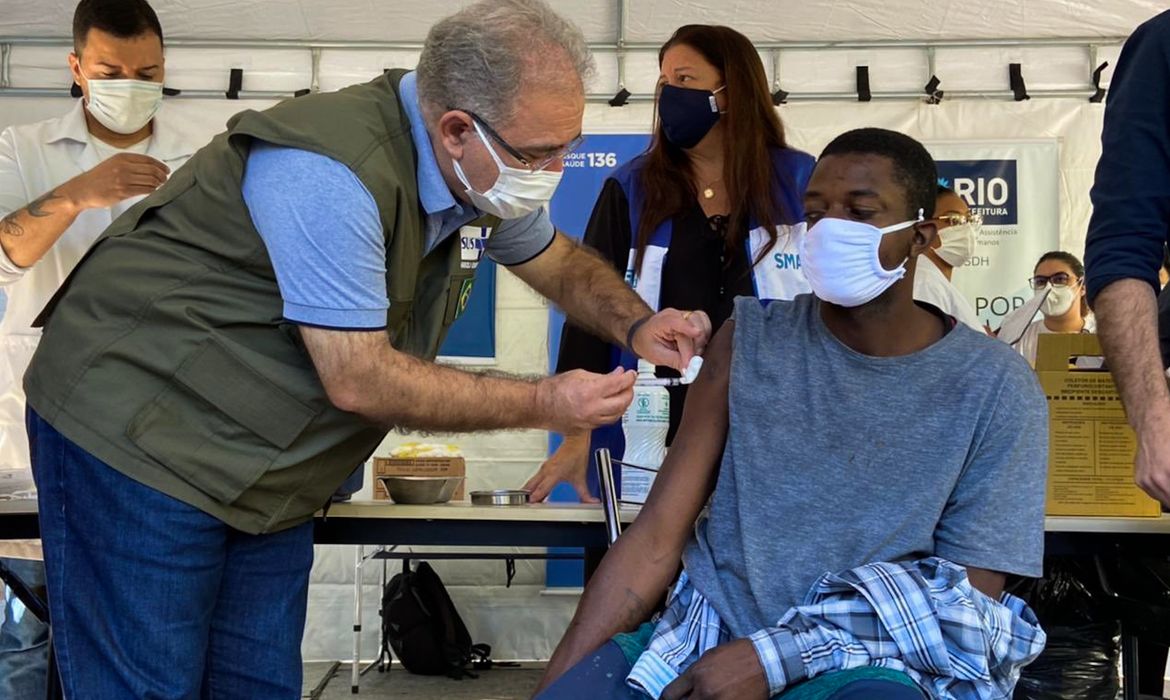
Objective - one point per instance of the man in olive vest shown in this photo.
(232, 347)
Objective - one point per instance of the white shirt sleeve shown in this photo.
(13, 196)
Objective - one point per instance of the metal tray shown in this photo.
(500, 497)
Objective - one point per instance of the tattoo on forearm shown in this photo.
(36, 209)
(9, 227)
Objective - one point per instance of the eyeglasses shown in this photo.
(1060, 279)
(532, 164)
(960, 219)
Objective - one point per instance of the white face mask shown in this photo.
(840, 260)
(123, 106)
(958, 243)
(516, 193)
(1060, 300)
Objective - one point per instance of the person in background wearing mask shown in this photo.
(789, 431)
(62, 182)
(230, 348)
(710, 212)
(958, 230)
(1065, 308)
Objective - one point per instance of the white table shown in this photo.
(380, 523)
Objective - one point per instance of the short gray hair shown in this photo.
(478, 58)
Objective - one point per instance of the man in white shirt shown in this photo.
(953, 247)
(62, 182)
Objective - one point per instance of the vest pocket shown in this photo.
(458, 293)
(220, 424)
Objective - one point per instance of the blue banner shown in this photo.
(988, 187)
(585, 173)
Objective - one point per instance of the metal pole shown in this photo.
(776, 69)
(621, 44)
(5, 57)
(355, 669)
(201, 94)
(315, 80)
(605, 97)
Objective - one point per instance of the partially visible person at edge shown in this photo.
(1065, 309)
(710, 212)
(958, 232)
(235, 344)
(1126, 242)
(62, 181)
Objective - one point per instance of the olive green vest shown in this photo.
(166, 355)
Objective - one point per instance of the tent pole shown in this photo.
(315, 80)
(621, 44)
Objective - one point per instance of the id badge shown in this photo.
(472, 241)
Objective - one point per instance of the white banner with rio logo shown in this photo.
(1014, 186)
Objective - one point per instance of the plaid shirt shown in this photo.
(922, 618)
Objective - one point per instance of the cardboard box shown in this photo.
(1090, 446)
(425, 466)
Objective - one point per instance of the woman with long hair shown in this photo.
(1066, 310)
(711, 211)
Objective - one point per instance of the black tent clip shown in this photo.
(172, 92)
(1016, 80)
(75, 91)
(863, 93)
(235, 82)
(779, 97)
(620, 99)
(1099, 94)
(302, 92)
(933, 94)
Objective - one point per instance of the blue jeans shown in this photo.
(152, 598)
(24, 639)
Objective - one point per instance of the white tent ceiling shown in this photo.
(646, 20)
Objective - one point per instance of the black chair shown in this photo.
(1143, 613)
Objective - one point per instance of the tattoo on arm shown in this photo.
(36, 209)
(37, 206)
(9, 227)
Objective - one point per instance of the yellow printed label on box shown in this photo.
(1091, 448)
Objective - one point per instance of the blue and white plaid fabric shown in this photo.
(922, 618)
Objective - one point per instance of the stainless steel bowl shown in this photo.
(420, 490)
(500, 497)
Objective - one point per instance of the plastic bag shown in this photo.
(1084, 642)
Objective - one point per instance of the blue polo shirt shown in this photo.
(324, 236)
(1131, 195)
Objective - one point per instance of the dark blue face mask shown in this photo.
(687, 114)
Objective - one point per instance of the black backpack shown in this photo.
(423, 629)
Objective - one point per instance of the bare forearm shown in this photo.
(621, 595)
(364, 375)
(591, 293)
(28, 233)
(1128, 327)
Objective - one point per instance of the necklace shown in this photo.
(709, 190)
